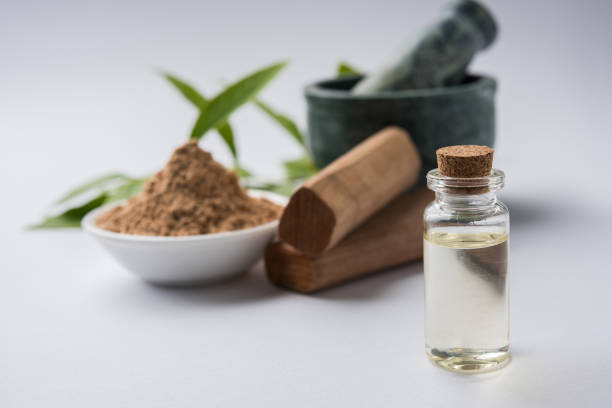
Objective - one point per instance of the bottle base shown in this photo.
(469, 361)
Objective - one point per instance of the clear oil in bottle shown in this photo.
(466, 300)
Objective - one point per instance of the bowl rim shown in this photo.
(319, 89)
(88, 224)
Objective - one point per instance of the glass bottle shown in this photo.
(465, 259)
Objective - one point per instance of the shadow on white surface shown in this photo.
(530, 212)
(253, 287)
(375, 285)
(247, 288)
(545, 209)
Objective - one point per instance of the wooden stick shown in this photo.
(333, 203)
(391, 237)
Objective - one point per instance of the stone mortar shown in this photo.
(436, 117)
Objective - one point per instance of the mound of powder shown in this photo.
(192, 195)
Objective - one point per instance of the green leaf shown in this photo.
(199, 101)
(300, 169)
(126, 190)
(242, 172)
(188, 91)
(234, 96)
(285, 188)
(345, 69)
(91, 184)
(72, 218)
(288, 124)
(227, 134)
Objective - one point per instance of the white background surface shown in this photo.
(79, 96)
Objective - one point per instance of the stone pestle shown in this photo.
(439, 56)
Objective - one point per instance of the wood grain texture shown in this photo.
(391, 237)
(343, 195)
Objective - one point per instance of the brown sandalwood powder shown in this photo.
(192, 195)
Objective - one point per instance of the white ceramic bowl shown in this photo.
(189, 260)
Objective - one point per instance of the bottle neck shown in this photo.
(466, 202)
(473, 194)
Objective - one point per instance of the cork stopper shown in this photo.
(465, 161)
